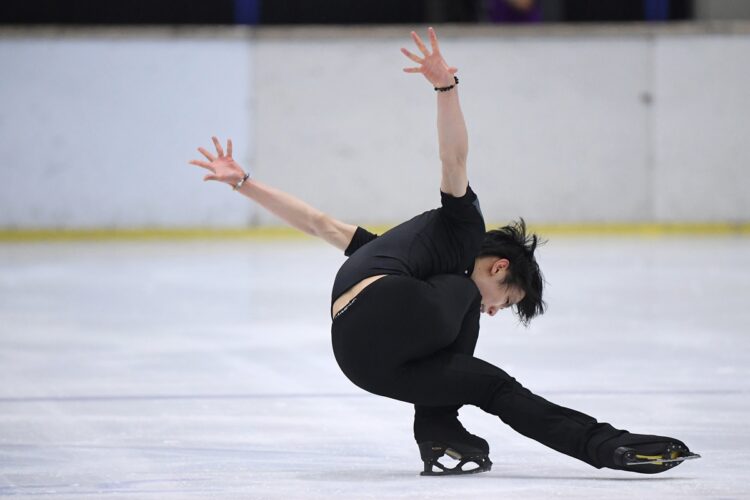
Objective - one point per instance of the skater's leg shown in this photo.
(391, 342)
(398, 319)
(427, 418)
(437, 429)
(448, 378)
(442, 317)
(457, 378)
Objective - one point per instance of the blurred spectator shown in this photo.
(247, 11)
(514, 11)
(626, 10)
(656, 10)
(360, 12)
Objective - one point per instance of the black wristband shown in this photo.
(446, 89)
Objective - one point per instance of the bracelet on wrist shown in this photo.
(446, 89)
(241, 181)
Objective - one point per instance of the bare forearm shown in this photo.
(285, 206)
(296, 212)
(452, 135)
(454, 142)
(299, 214)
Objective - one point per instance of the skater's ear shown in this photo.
(500, 265)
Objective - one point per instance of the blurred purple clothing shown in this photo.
(500, 11)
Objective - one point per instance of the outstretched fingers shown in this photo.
(208, 177)
(412, 56)
(420, 44)
(426, 61)
(218, 147)
(208, 155)
(203, 164)
(229, 148)
(433, 40)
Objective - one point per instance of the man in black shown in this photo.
(406, 306)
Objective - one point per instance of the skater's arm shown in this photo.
(294, 211)
(454, 144)
(452, 136)
(299, 214)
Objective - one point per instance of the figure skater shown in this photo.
(405, 309)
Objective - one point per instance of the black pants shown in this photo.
(414, 340)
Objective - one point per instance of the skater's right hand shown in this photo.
(223, 167)
(432, 65)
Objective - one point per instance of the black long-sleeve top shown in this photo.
(445, 240)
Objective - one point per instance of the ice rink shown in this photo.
(203, 369)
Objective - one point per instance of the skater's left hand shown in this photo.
(223, 167)
(432, 65)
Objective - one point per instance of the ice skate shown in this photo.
(441, 436)
(644, 454)
(432, 451)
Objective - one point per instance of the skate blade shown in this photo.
(483, 465)
(658, 460)
(482, 462)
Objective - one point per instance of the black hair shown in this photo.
(511, 242)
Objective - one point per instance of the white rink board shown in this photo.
(105, 126)
(581, 125)
(204, 370)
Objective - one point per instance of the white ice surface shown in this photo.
(204, 370)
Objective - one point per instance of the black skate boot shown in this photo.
(444, 435)
(642, 453)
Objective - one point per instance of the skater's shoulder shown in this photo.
(360, 238)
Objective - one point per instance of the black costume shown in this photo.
(411, 336)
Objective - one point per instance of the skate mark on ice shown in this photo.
(250, 396)
(176, 397)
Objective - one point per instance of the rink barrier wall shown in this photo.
(595, 124)
(280, 233)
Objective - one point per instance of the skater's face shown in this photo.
(489, 276)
